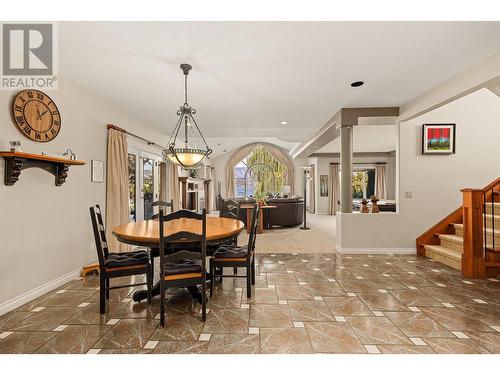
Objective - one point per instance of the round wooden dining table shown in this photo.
(147, 233)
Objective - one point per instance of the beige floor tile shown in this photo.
(333, 337)
(347, 306)
(310, 311)
(227, 321)
(455, 346)
(417, 324)
(241, 343)
(284, 341)
(377, 330)
(270, 316)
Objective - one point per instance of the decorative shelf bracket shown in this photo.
(16, 162)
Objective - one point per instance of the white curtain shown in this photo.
(117, 187)
(381, 181)
(277, 152)
(174, 192)
(334, 189)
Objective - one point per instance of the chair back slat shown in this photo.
(193, 240)
(99, 234)
(229, 208)
(253, 229)
(183, 214)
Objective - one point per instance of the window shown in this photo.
(259, 173)
(131, 186)
(148, 187)
(363, 183)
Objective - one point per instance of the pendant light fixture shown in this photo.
(185, 151)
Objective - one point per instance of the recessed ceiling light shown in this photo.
(357, 83)
(284, 122)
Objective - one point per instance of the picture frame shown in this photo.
(323, 185)
(97, 171)
(438, 139)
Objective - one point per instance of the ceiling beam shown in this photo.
(344, 117)
(481, 75)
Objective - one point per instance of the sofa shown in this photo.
(288, 211)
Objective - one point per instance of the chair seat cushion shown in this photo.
(183, 266)
(231, 251)
(127, 259)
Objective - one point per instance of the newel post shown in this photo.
(473, 262)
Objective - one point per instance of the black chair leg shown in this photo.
(162, 305)
(249, 283)
(149, 281)
(152, 259)
(235, 270)
(107, 288)
(253, 271)
(204, 301)
(212, 278)
(102, 294)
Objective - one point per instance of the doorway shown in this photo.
(145, 183)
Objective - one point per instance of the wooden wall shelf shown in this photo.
(15, 162)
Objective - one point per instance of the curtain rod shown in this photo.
(381, 163)
(149, 142)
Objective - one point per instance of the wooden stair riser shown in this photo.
(452, 245)
(440, 257)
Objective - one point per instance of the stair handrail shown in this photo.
(475, 252)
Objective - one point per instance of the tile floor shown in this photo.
(304, 303)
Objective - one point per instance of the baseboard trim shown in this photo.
(28, 296)
(396, 251)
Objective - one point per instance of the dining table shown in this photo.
(147, 233)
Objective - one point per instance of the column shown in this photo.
(346, 169)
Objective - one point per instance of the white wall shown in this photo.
(45, 230)
(434, 180)
(323, 168)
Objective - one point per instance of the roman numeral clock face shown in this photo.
(36, 115)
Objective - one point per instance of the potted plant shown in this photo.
(260, 196)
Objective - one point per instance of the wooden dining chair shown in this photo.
(162, 204)
(112, 265)
(237, 256)
(229, 208)
(182, 257)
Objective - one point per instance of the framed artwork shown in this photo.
(438, 139)
(97, 171)
(323, 185)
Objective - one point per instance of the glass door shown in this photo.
(144, 183)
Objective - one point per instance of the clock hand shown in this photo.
(43, 114)
(38, 112)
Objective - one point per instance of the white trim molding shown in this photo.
(388, 251)
(30, 295)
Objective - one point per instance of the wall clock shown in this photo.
(36, 115)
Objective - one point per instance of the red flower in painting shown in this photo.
(446, 133)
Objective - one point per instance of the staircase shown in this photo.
(469, 238)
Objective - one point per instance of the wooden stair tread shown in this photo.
(449, 253)
(488, 229)
(452, 238)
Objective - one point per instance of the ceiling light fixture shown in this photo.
(284, 122)
(187, 153)
(357, 83)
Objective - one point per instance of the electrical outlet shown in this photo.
(408, 194)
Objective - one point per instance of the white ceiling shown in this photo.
(370, 138)
(247, 77)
